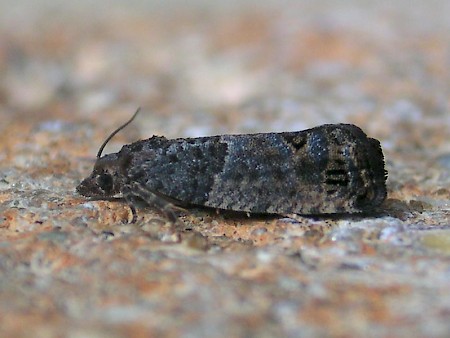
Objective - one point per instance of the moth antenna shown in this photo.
(115, 132)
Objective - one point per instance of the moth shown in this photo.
(329, 169)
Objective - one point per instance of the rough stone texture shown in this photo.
(71, 74)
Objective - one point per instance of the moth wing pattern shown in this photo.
(323, 170)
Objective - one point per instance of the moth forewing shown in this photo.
(324, 170)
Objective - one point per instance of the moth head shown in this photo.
(105, 180)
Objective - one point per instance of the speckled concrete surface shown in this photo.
(72, 73)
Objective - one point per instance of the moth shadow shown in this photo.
(347, 217)
(244, 216)
(233, 215)
(230, 214)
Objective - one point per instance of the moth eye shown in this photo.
(105, 181)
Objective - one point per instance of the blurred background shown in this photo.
(71, 72)
(204, 67)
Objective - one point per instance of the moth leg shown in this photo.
(154, 200)
(130, 201)
(133, 212)
(295, 217)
